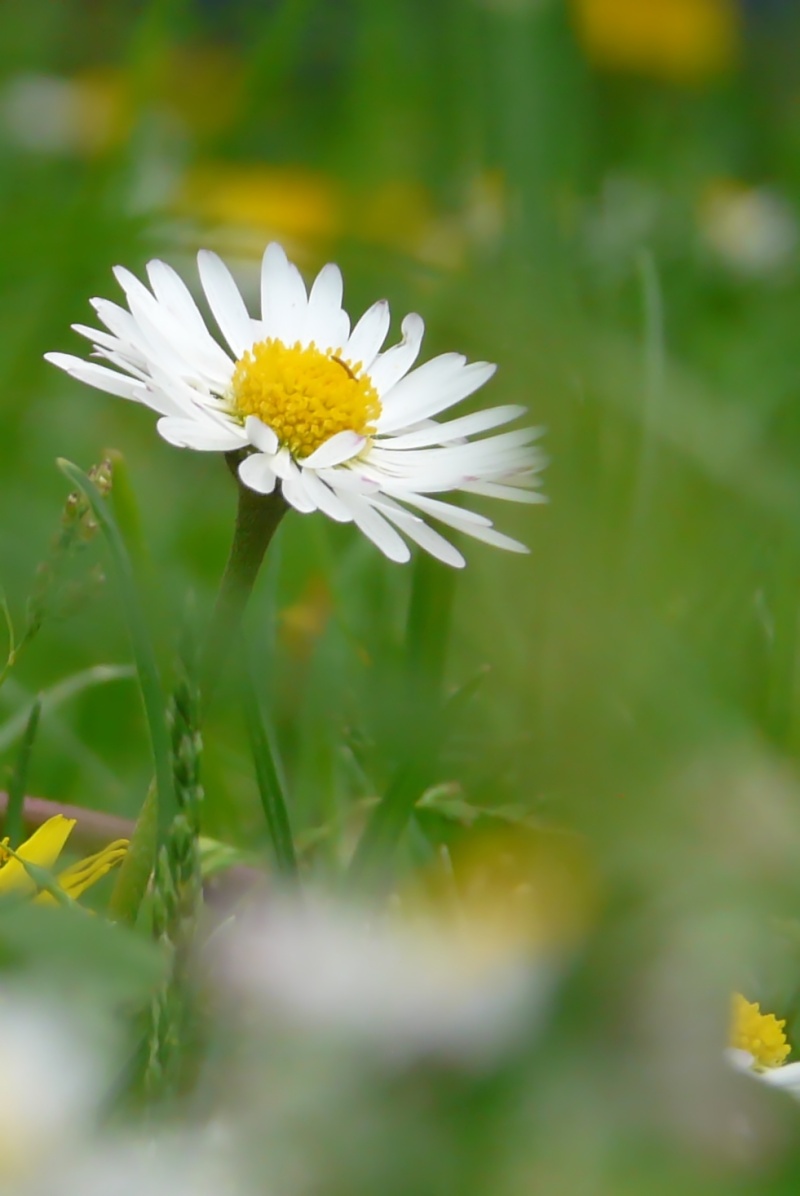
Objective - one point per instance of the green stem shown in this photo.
(257, 519)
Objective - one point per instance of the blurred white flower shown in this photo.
(408, 990)
(162, 1165)
(48, 114)
(50, 1086)
(752, 229)
(314, 408)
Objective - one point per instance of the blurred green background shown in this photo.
(602, 196)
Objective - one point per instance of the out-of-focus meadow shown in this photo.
(603, 196)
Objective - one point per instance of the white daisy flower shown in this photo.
(759, 1046)
(311, 405)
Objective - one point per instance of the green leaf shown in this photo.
(78, 951)
(134, 873)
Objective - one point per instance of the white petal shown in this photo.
(368, 336)
(787, 1077)
(376, 529)
(334, 451)
(350, 478)
(509, 493)
(326, 322)
(199, 434)
(464, 521)
(438, 384)
(327, 289)
(455, 429)
(164, 338)
(283, 297)
(295, 493)
(417, 530)
(325, 498)
(497, 539)
(256, 472)
(99, 377)
(282, 463)
(443, 511)
(260, 435)
(106, 340)
(170, 290)
(392, 365)
(741, 1060)
(225, 301)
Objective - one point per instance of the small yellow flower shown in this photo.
(681, 41)
(43, 849)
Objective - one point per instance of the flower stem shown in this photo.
(257, 518)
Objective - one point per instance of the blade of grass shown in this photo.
(134, 873)
(427, 635)
(146, 665)
(19, 778)
(70, 687)
(268, 775)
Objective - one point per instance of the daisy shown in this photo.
(758, 1045)
(311, 407)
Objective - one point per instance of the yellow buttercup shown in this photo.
(43, 849)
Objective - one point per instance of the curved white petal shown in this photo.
(225, 301)
(325, 498)
(509, 493)
(335, 451)
(296, 494)
(437, 385)
(454, 429)
(257, 473)
(282, 463)
(418, 530)
(787, 1076)
(368, 336)
(99, 377)
(205, 437)
(283, 297)
(395, 363)
(376, 529)
(327, 324)
(260, 435)
(170, 289)
(350, 478)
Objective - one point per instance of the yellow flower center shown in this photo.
(760, 1034)
(305, 396)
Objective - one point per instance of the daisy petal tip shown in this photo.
(275, 252)
(412, 327)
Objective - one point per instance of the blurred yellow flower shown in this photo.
(683, 41)
(298, 205)
(43, 850)
(241, 204)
